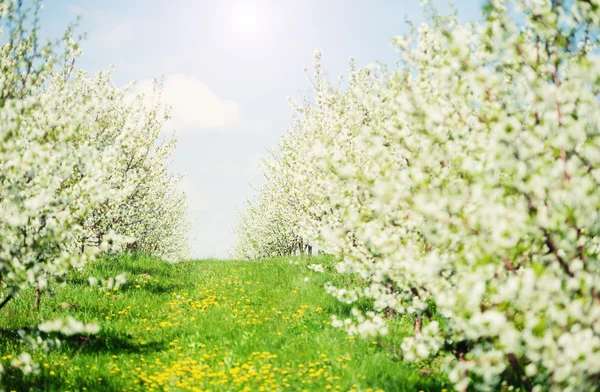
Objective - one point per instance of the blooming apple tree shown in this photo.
(83, 170)
(462, 186)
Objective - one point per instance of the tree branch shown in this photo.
(6, 300)
(516, 366)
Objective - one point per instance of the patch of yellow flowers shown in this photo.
(259, 372)
(210, 369)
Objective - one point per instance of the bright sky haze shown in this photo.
(229, 66)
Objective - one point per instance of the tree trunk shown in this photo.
(389, 312)
(38, 297)
(418, 324)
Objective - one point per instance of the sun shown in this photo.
(247, 20)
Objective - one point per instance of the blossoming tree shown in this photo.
(462, 187)
(83, 170)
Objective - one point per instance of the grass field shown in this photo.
(208, 325)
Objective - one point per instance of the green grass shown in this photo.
(208, 325)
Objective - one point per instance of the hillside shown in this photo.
(207, 325)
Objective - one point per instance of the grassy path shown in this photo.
(208, 325)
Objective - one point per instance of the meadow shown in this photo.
(209, 326)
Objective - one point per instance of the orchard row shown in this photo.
(83, 168)
(462, 186)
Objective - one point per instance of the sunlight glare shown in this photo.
(247, 20)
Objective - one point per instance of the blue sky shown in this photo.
(229, 67)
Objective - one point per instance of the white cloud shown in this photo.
(194, 106)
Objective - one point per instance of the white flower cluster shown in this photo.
(463, 187)
(369, 325)
(108, 284)
(26, 364)
(316, 268)
(68, 326)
